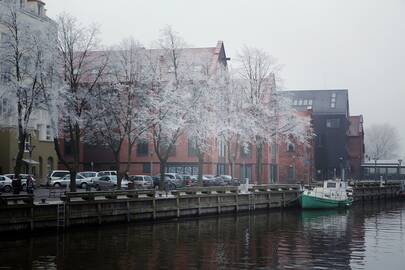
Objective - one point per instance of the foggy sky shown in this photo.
(321, 44)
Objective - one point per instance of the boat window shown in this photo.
(331, 185)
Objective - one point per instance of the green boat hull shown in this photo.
(311, 202)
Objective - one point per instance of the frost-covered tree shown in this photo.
(133, 76)
(172, 95)
(25, 57)
(82, 68)
(382, 141)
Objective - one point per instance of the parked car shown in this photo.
(5, 184)
(56, 174)
(88, 174)
(108, 182)
(187, 180)
(23, 179)
(170, 182)
(176, 179)
(102, 173)
(142, 181)
(104, 182)
(208, 180)
(81, 181)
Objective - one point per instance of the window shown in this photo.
(392, 170)
(290, 147)
(22, 2)
(142, 148)
(333, 100)
(295, 102)
(146, 168)
(192, 147)
(305, 102)
(48, 133)
(274, 151)
(290, 173)
(331, 185)
(246, 151)
(67, 146)
(300, 102)
(221, 147)
(310, 102)
(246, 171)
(273, 173)
(221, 169)
(333, 123)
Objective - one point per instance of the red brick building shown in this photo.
(281, 163)
(355, 144)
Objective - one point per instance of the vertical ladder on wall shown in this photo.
(60, 216)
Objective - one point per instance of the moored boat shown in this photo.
(332, 194)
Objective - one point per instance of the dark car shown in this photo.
(170, 183)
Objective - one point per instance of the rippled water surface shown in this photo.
(369, 236)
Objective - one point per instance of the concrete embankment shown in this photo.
(19, 213)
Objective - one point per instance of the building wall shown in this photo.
(43, 153)
(330, 146)
(356, 155)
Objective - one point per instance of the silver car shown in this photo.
(142, 181)
(5, 184)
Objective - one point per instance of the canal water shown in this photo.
(369, 236)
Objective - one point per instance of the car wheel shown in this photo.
(172, 186)
(98, 188)
(7, 189)
(57, 185)
(83, 185)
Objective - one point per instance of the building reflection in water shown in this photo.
(271, 240)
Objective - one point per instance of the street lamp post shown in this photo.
(375, 169)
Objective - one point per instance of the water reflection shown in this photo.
(364, 237)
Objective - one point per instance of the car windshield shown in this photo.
(148, 178)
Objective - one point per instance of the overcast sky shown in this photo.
(321, 44)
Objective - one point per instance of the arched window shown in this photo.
(290, 147)
(50, 164)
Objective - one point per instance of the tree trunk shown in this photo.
(120, 175)
(129, 149)
(162, 174)
(200, 168)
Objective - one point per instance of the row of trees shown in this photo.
(127, 93)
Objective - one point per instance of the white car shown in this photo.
(81, 181)
(5, 184)
(108, 182)
(142, 181)
(56, 174)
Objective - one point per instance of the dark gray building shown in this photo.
(330, 116)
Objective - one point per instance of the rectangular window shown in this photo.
(291, 173)
(273, 173)
(246, 151)
(142, 149)
(221, 147)
(392, 170)
(310, 102)
(246, 171)
(221, 169)
(192, 149)
(295, 102)
(48, 133)
(274, 151)
(333, 123)
(146, 168)
(27, 143)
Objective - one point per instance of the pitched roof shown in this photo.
(331, 101)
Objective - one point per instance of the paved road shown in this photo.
(50, 194)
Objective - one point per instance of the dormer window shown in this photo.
(40, 9)
(22, 3)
